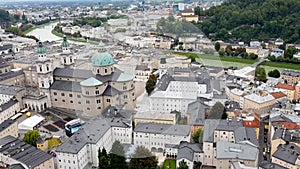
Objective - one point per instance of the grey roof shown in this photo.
(163, 60)
(186, 150)
(140, 67)
(66, 86)
(110, 91)
(196, 110)
(241, 151)
(8, 104)
(72, 73)
(229, 125)
(157, 128)
(288, 153)
(5, 47)
(23, 152)
(267, 165)
(117, 112)
(3, 62)
(9, 75)
(6, 124)
(243, 133)
(91, 132)
(192, 75)
(209, 128)
(291, 73)
(10, 90)
(15, 166)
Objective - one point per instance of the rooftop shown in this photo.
(22, 152)
(10, 90)
(158, 128)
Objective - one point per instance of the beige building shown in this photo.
(188, 15)
(9, 109)
(291, 77)
(91, 91)
(163, 118)
(9, 128)
(262, 102)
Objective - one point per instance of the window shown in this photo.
(105, 70)
(124, 87)
(88, 108)
(98, 101)
(99, 107)
(87, 92)
(108, 100)
(62, 94)
(87, 102)
(70, 95)
(79, 102)
(54, 93)
(125, 96)
(78, 96)
(63, 101)
(97, 92)
(71, 101)
(55, 100)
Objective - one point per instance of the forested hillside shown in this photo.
(252, 19)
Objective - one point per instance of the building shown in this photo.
(102, 86)
(262, 102)
(81, 149)
(147, 117)
(179, 87)
(245, 152)
(288, 90)
(277, 52)
(4, 66)
(191, 153)
(287, 156)
(9, 109)
(9, 92)
(14, 151)
(188, 15)
(290, 76)
(9, 128)
(155, 136)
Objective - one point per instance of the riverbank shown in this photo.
(37, 27)
(54, 32)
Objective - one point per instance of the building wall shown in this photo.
(220, 135)
(11, 130)
(75, 161)
(226, 163)
(291, 80)
(6, 114)
(263, 107)
(284, 164)
(14, 81)
(156, 142)
(208, 153)
(46, 165)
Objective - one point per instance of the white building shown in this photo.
(277, 52)
(155, 136)
(81, 150)
(9, 109)
(177, 88)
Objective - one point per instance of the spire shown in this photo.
(41, 49)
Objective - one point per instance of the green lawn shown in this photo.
(169, 164)
(68, 37)
(238, 62)
(53, 142)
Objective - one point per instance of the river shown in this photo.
(44, 33)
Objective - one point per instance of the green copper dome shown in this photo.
(65, 43)
(41, 49)
(102, 59)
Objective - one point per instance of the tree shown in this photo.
(180, 47)
(150, 84)
(143, 159)
(221, 53)
(228, 49)
(103, 159)
(274, 73)
(117, 156)
(216, 111)
(217, 46)
(224, 115)
(196, 136)
(31, 137)
(289, 53)
(197, 11)
(260, 74)
(183, 165)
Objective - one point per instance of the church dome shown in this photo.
(41, 49)
(65, 43)
(102, 59)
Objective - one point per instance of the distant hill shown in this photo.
(253, 19)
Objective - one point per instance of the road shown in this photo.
(263, 146)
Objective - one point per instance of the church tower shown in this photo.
(67, 58)
(44, 67)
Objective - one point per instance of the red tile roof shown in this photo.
(285, 86)
(278, 95)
